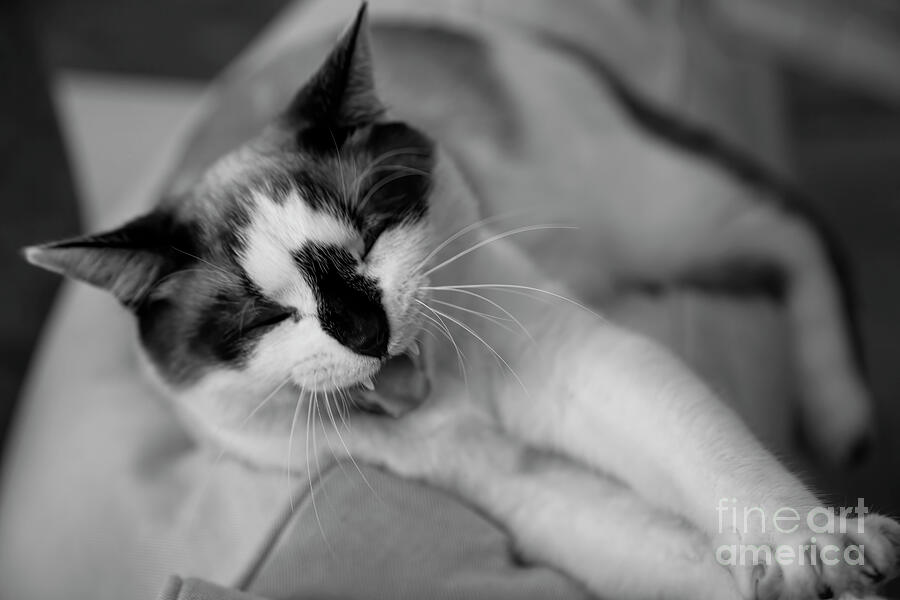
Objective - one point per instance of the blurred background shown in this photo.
(91, 89)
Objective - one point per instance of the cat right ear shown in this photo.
(341, 93)
(126, 261)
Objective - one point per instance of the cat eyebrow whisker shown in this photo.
(455, 237)
(340, 162)
(492, 239)
(398, 167)
(406, 172)
(384, 156)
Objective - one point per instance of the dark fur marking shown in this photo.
(340, 96)
(398, 191)
(207, 313)
(126, 261)
(394, 191)
(349, 304)
(204, 322)
(195, 323)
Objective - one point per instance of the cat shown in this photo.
(300, 273)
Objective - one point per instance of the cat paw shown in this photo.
(878, 539)
(844, 566)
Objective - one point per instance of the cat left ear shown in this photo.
(126, 261)
(341, 94)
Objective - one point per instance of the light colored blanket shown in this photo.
(104, 495)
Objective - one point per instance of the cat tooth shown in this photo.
(414, 349)
(368, 384)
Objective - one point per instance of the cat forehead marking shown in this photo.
(275, 230)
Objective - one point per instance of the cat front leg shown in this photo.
(588, 526)
(621, 403)
(625, 405)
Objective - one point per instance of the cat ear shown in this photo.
(126, 261)
(341, 94)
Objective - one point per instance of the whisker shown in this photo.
(486, 345)
(328, 439)
(430, 332)
(315, 447)
(204, 261)
(384, 156)
(383, 182)
(312, 493)
(490, 318)
(504, 286)
(315, 410)
(349, 402)
(396, 167)
(456, 236)
(341, 406)
(492, 303)
(182, 271)
(264, 401)
(350, 455)
(434, 322)
(290, 451)
(471, 227)
(337, 154)
(492, 239)
(446, 331)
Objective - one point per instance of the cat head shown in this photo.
(294, 258)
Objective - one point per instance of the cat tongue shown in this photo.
(400, 386)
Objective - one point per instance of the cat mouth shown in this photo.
(399, 386)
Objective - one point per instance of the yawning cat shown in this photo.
(307, 271)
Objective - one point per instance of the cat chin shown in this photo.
(235, 400)
(350, 372)
(276, 435)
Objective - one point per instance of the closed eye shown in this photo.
(370, 236)
(268, 318)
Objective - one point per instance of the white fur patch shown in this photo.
(275, 232)
(392, 262)
(302, 350)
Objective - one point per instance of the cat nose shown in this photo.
(365, 333)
